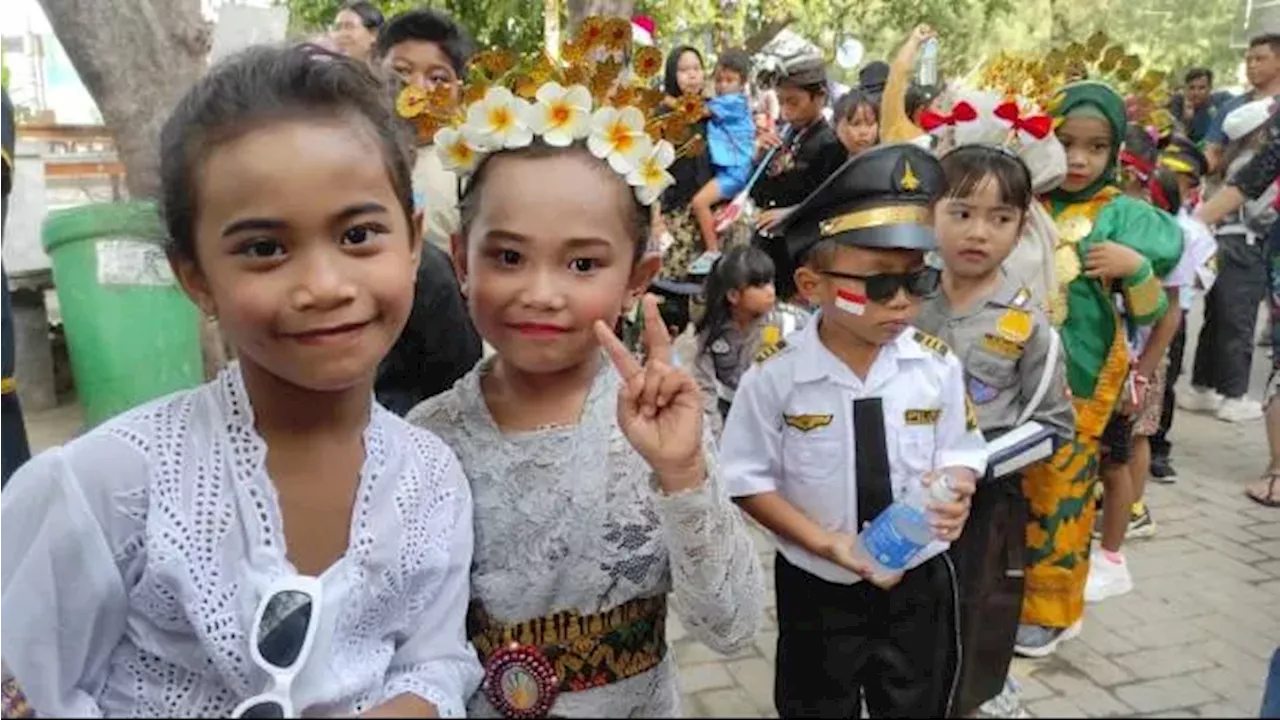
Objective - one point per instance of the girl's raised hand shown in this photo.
(659, 406)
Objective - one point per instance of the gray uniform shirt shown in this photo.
(1003, 342)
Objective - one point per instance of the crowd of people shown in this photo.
(459, 411)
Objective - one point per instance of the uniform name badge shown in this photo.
(1015, 326)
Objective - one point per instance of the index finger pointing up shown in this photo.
(657, 341)
(622, 359)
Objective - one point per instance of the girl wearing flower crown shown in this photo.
(597, 495)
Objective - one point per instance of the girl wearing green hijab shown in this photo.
(1108, 243)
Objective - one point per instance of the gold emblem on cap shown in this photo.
(909, 180)
(875, 217)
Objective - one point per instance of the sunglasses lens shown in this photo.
(924, 282)
(284, 629)
(882, 288)
(266, 709)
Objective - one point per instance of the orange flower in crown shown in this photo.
(586, 96)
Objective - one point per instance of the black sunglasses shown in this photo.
(885, 286)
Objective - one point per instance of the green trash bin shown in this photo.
(132, 334)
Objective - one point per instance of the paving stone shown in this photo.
(755, 676)
(1232, 549)
(692, 652)
(728, 703)
(1106, 641)
(1097, 668)
(1054, 707)
(1163, 635)
(1233, 684)
(767, 644)
(1032, 688)
(1270, 567)
(1225, 710)
(1164, 694)
(1164, 662)
(696, 678)
(1268, 547)
(675, 629)
(1268, 530)
(1239, 634)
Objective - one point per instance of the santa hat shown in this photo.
(642, 28)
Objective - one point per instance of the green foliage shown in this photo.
(514, 24)
(1168, 34)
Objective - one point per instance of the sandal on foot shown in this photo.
(1270, 498)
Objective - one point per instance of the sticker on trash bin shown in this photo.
(132, 262)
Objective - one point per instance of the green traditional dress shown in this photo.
(1093, 337)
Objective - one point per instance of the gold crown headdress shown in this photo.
(588, 93)
(1039, 78)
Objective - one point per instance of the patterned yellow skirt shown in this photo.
(1061, 491)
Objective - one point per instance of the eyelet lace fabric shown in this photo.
(175, 533)
(570, 519)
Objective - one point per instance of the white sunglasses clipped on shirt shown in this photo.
(284, 628)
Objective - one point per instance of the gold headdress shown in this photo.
(588, 93)
(1039, 78)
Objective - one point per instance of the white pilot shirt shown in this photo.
(790, 430)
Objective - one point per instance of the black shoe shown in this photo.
(1162, 470)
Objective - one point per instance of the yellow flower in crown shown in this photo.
(650, 177)
(499, 121)
(647, 62)
(455, 152)
(618, 137)
(561, 115)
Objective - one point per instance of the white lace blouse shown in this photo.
(569, 518)
(135, 556)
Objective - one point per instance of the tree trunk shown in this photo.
(136, 58)
(581, 9)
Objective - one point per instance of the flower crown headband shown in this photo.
(588, 93)
(1039, 78)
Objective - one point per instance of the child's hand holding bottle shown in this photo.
(659, 406)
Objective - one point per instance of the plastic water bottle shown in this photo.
(928, 72)
(891, 540)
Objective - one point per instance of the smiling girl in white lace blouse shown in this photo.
(134, 557)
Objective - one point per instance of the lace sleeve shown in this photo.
(717, 582)
(436, 662)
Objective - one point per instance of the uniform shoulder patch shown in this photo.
(769, 351)
(931, 343)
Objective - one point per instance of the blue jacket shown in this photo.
(731, 134)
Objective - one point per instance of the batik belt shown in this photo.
(527, 665)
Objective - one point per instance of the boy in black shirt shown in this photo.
(808, 152)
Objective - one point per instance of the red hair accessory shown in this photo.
(1037, 126)
(962, 112)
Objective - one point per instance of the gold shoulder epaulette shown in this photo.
(769, 351)
(932, 343)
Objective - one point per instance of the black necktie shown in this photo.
(871, 459)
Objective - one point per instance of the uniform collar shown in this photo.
(816, 362)
(1008, 293)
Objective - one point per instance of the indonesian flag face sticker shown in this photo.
(850, 301)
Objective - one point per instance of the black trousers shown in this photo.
(1160, 444)
(1224, 352)
(784, 275)
(990, 562)
(839, 642)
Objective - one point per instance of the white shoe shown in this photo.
(1200, 400)
(1106, 579)
(1238, 410)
